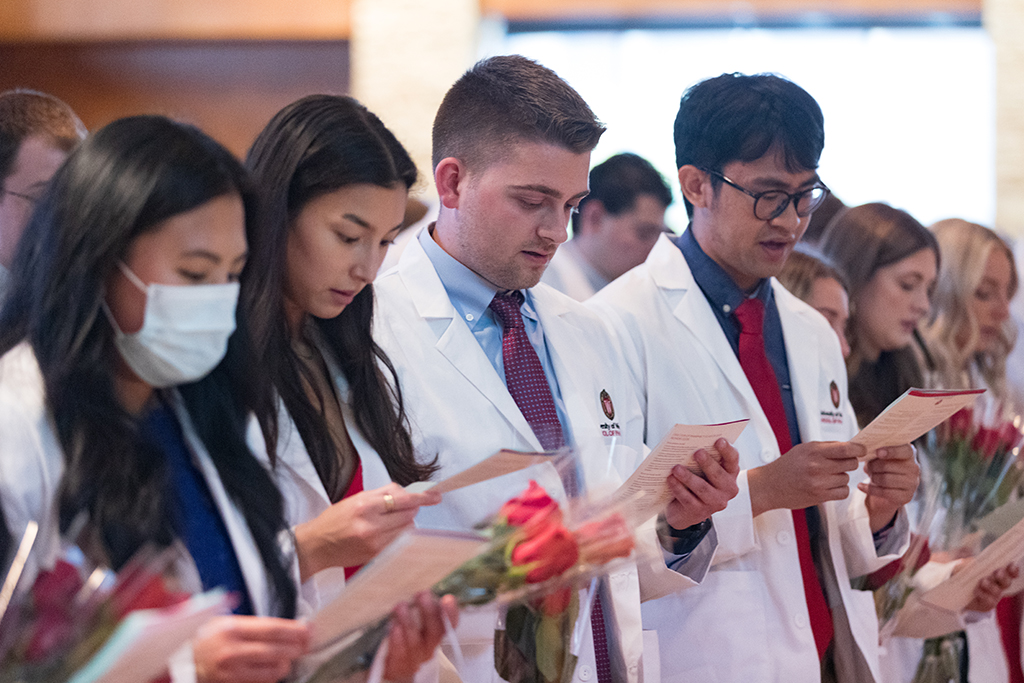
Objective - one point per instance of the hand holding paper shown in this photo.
(911, 416)
(647, 491)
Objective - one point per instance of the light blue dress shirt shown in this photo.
(471, 296)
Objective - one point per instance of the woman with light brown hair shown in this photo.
(970, 333)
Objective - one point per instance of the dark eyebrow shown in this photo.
(351, 217)
(203, 254)
(549, 191)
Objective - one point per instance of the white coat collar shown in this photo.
(455, 341)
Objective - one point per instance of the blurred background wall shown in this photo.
(923, 98)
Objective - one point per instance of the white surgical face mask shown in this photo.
(184, 332)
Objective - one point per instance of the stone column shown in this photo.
(405, 54)
(1004, 20)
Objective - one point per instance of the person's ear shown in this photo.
(450, 179)
(695, 185)
(591, 214)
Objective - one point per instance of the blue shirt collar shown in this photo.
(469, 293)
(718, 287)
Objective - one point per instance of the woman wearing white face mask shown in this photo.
(124, 287)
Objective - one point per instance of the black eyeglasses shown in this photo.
(27, 197)
(770, 205)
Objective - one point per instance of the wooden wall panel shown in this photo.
(173, 19)
(228, 88)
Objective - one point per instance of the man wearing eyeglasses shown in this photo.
(711, 336)
(37, 131)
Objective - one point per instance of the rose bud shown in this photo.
(549, 552)
(960, 423)
(986, 441)
(527, 505)
(57, 587)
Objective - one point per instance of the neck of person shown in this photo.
(295, 318)
(132, 392)
(589, 249)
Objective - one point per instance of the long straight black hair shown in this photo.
(312, 147)
(120, 183)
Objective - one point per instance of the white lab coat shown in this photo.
(461, 411)
(32, 464)
(304, 494)
(748, 620)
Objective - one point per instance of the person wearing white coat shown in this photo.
(746, 149)
(114, 407)
(502, 217)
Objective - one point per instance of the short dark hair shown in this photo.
(24, 113)
(735, 117)
(509, 99)
(619, 180)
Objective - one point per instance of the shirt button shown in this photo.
(783, 537)
(800, 621)
(469, 317)
(585, 673)
(633, 670)
(767, 456)
(726, 308)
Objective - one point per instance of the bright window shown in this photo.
(909, 112)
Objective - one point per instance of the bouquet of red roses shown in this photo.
(534, 563)
(973, 461)
(55, 627)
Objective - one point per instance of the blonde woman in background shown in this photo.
(971, 334)
(969, 338)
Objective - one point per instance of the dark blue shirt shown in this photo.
(194, 514)
(724, 297)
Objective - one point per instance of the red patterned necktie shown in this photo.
(758, 370)
(526, 381)
(524, 375)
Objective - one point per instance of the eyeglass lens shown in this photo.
(771, 204)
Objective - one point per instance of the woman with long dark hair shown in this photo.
(123, 298)
(333, 184)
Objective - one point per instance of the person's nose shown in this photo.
(555, 228)
(788, 219)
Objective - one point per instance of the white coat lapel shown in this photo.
(455, 341)
(242, 542)
(802, 352)
(675, 282)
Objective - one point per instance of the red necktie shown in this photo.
(526, 381)
(758, 370)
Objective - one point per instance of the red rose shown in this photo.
(553, 604)
(148, 593)
(549, 552)
(985, 442)
(960, 423)
(527, 505)
(1009, 436)
(56, 587)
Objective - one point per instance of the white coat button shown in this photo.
(585, 673)
(634, 670)
(783, 537)
(800, 621)
(767, 456)
(469, 317)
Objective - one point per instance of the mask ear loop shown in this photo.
(132, 277)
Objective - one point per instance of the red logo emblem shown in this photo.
(606, 405)
(833, 389)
